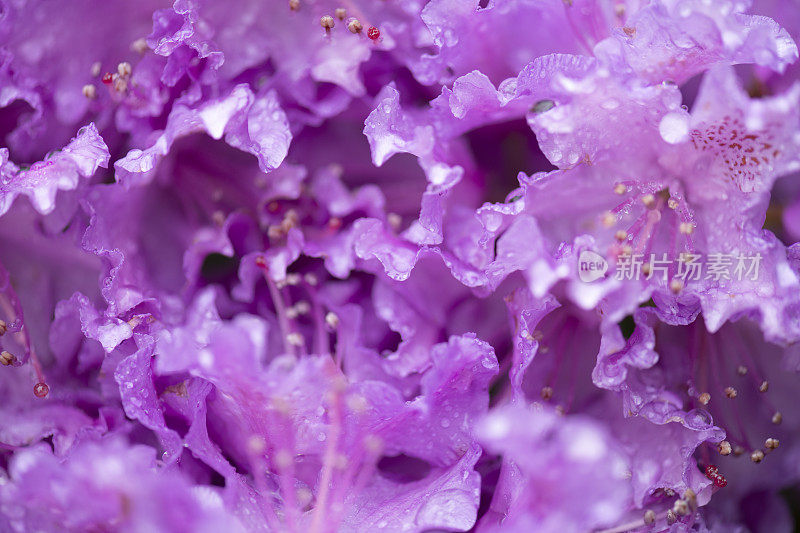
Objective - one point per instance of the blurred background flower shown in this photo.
(312, 265)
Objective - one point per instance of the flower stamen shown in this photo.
(7, 358)
(327, 23)
(354, 25)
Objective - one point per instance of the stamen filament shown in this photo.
(320, 509)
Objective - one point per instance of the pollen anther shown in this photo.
(373, 443)
(7, 358)
(724, 448)
(354, 25)
(332, 320)
(327, 22)
(712, 473)
(124, 69)
(89, 91)
(680, 507)
(676, 285)
(304, 497)
(295, 339)
(671, 517)
(40, 390)
(357, 403)
(283, 459)
(256, 444)
(139, 45)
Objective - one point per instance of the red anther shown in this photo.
(108, 78)
(335, 223)
(712, 473)
(261, 262)
(374, 33)
(41, 390)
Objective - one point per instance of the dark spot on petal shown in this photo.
(627, 325)
(217, 267)
(403, 468)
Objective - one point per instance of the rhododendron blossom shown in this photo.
(399, 265)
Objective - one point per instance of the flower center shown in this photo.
(729, 384)
(655, 228)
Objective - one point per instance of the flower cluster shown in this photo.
(354, 265)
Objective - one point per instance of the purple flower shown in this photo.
(125, 489)
(732, 380)
(574, 481)
(399, 266)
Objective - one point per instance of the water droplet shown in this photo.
(542, 106)
(674, 127)
(448, 508)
